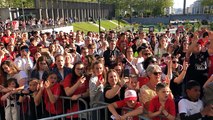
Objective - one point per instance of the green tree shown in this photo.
(16, 3)
(207, 2)
(147, 7)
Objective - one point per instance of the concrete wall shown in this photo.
(4, 13)
(63, 9)
(79, 10)
(167, 19)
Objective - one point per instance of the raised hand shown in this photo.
(47, 84)
(185, 65)
(82, 79)
(40, 85)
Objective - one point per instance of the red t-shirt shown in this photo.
(122, 104)
(81, 89)
(203, 43)
(6, 39)
(142, 81)
(169, 107)
(55, 108)
(33, 49)
(210, 71)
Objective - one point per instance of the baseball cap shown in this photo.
(130, 95)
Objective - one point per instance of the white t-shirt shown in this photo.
(19, 76)
(189, 107)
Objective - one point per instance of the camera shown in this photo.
(83, 73)
(126, 73)
(124, 61)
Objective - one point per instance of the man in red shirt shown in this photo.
(130, 101)
(162, 107)
(6, 38)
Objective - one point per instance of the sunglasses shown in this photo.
(157, 73)
(43, 63)
(154, 61)
(80, 68)
(147, 54)
(174, 62)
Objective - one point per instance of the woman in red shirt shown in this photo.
(76, 85)
(51, 91)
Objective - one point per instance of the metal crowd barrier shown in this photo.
(74, 113)
(94, 113)
(89, 112)
(22, 111)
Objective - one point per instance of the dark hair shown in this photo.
(141, 48)
(58, 55)
(205, 34)
(127, 49)
(32, 39)
(160, 86)
(11, 80)
(42, 58)
(74, 75)
(191, 84)
(51, 73)
(147, 61)
(91, 59)
(91, 46)
(165, 54)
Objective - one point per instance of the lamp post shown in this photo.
(99, 17)
(184, 7)
(23, 12)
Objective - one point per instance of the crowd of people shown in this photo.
(30, 23)
(161, 76)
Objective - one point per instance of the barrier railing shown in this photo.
(94, 113)
(89, 111)
(74, 113)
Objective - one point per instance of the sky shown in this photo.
(179, 3)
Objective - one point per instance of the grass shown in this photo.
(121, 22)
(86, 26)
(108, 25)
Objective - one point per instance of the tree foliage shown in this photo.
(16, 3)
(147, 7)
(207, 2)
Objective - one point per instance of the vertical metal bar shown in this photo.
(42, 106)
(97, 114)
(22, 106)
(106, 111)
(36, 111)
